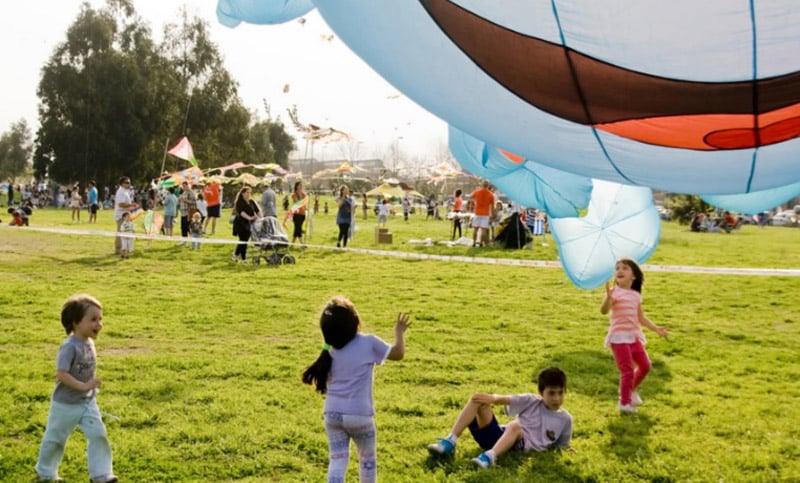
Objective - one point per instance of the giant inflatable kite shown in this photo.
(682, 96)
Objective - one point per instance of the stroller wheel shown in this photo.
(288, 260)
(273, 260)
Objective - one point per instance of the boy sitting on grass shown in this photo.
(540, 423)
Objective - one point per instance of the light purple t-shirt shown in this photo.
(350, 379)
(542, 429)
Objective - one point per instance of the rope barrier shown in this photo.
(772, 272)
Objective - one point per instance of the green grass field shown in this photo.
(201, 358)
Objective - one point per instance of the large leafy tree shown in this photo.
(112, 101)
(16, 148)
(213, 116)
(98, 106)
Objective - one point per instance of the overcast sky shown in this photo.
(330, 85)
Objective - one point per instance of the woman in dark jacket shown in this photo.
(246, 211)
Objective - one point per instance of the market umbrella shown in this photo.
(387, 190)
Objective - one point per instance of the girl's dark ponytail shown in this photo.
(339, 323)
(317, 373)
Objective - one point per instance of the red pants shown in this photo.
(626, 355)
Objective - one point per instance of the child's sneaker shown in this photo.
(627, 408)
(636, 400)
(482, 461)
(442, 448)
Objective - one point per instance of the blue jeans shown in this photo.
(60, 423)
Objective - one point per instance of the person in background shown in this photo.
(269, 204)
(127, 242)
(384, 208)
(484, 210)
(122, 203)
(246, 211)
(211, 193)
(10, 192)
(202, 208)
(75, 202)
(196, 229)
(458, 202)
(170, 210)
(92, 201)
(187, 204)
(344, 215)
(299, 207)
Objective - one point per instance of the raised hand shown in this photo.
(402, 323)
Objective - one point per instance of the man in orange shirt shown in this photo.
(212, 196)
(484, 208)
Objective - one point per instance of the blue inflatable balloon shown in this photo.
(622, 222)
(231, 12)
(683, 96)
(530, 184)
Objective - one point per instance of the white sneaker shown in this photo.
(636, 400)
(627, 408)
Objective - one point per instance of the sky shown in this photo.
(329, 84)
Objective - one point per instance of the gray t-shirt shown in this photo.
(170, 205)
(79, 358)
(350, 379)
(268, 207)
(542, 429)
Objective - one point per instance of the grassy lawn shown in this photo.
(201, 358)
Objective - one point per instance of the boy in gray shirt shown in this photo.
(74, 400)
(540, 423)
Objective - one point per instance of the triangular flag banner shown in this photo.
(183, 150)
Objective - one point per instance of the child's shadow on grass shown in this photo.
(513, 466)
(629, 434)
(594, 374)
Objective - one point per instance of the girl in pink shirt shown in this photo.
(625, 337)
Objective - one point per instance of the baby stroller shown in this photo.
(272, 241)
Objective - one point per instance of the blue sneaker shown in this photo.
(482, 461)
(443, 448)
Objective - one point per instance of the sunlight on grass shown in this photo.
(201, 359)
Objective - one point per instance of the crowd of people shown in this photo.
(727, 222)
(482, 211)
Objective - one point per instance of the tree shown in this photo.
(16, 148)
(213, 116)
(680, 206)
(101, 99)
(112, 101)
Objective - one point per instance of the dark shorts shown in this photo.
(298, 225)
(213, 211)
(93, 208)
(487, 436)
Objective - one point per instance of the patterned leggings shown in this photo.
(340, 429)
